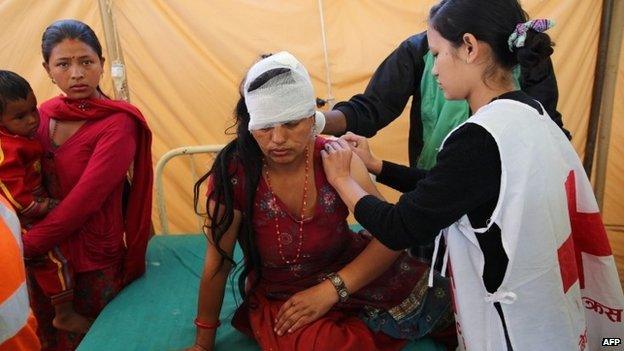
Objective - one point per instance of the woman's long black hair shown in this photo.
(244, 152)
(491, 22)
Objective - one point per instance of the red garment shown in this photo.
(328, 245)
(20, 172)
(93, 291)
(87, 173)
(55, 275)
(20, 181)
(336, 330)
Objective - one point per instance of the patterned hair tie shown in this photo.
(517, 38)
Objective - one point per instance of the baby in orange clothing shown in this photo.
(21, 183)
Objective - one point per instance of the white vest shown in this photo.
(543, 301)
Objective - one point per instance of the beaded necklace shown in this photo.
(304, 203)
(83, 106)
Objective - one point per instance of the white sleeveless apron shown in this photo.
(561, 289)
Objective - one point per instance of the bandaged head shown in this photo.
(288, 96)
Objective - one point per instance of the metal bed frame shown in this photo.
(160, 166)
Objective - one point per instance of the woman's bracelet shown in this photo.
(339, 285)
(203, 325)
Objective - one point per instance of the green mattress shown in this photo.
(156, 312)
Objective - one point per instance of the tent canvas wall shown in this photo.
(186, 58)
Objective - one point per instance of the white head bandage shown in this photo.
(286, 97)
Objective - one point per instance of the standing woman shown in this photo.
(507, 191)
(90, 142)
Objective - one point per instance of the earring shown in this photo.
(53, 81)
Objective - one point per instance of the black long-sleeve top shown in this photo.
(465, 180)
(398, 78)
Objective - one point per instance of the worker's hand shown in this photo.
(305, 307)
(359, 145)
(336, 161)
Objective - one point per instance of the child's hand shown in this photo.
(52, 203)
(47, 204)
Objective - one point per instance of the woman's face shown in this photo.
(285, 142)
(448, 68)
(76, 69)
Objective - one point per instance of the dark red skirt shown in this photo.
(334, 331)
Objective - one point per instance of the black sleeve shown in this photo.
(541, 84)
(394, 81)
(399, 177)
(466, 177)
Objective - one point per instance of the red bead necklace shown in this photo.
(304, 204)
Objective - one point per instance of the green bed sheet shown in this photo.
(156, 312)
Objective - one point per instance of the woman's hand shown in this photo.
(196, 348)
(305, 307)
(336, 160)
(204, 340)
(359, 145)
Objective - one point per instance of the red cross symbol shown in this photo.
(588, 235)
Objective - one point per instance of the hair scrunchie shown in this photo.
(517, 38)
